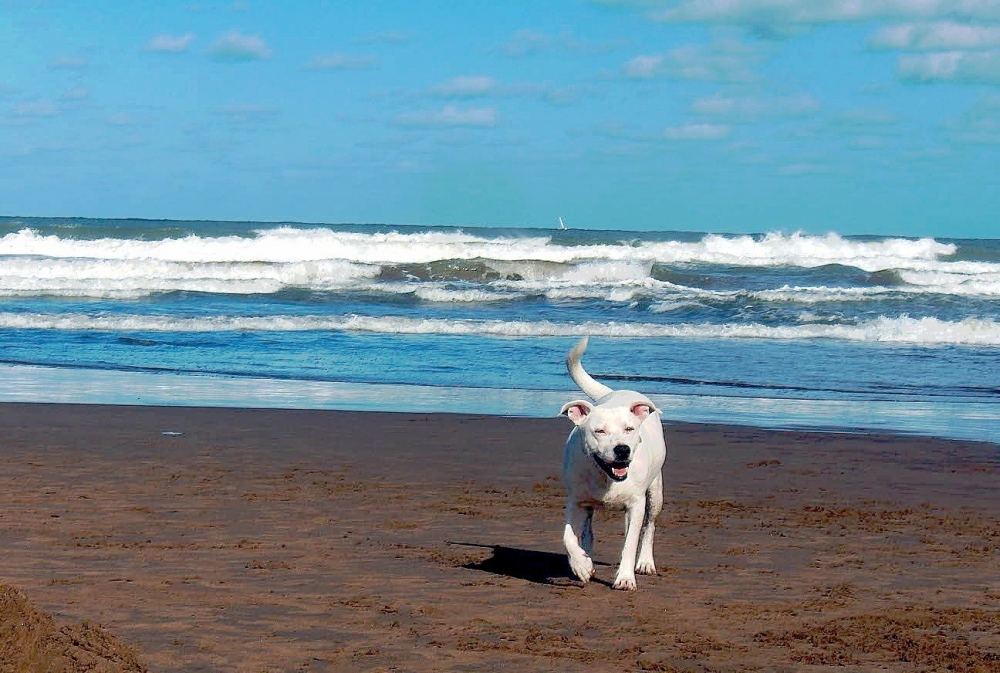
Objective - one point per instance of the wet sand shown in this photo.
(246, 540)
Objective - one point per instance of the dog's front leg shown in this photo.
(576, 524)
(587, 536)
(625, 578)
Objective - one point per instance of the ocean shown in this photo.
(783, 330)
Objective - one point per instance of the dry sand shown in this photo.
(337, 541)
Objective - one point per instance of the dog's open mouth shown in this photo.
(618, 470)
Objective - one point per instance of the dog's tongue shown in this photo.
(619, 472)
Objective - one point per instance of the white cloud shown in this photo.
(644, 67)
(987, 104)
(35, 109)
(485, 86)
(466, 87)
(30, 112)
(121, 119)
(247, 113)
(235, 46)
(76, 93)
(860, 128)
(68, 63)
(951, 66)
(529, 42)
(866, 118)
(169, 44)
(804, 168)
(717, 62)
(698, 132)
(390, 37)
(764, 13)
(980, 124)
(567, 95)
(26, 148)
(341, 62)
(583, 47)
(867, 143)
(451, 116)
(942, 36)
(750, 107)
(524, 43)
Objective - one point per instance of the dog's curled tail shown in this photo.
(586, 382)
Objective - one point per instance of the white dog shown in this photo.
(613, 458)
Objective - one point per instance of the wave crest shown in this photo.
(288, 244)
(270, 260)
(901, 330)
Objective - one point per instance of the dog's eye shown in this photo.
(600, 431)
(630, 429)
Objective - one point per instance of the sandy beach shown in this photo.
(269, 540)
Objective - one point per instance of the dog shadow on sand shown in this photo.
(538, 567)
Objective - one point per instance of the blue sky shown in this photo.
(873, 116)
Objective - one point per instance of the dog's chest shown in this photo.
(597, 492)
(621, 495)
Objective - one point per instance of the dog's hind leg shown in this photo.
(644, 565)
(577, 522)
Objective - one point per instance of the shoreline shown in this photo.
(274, 540)
(972, 421)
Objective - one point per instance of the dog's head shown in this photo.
(610, 434)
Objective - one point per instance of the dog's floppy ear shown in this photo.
(643, 409)
(577, 410)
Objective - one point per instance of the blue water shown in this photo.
(780, 329)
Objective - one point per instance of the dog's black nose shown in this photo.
(622, 452)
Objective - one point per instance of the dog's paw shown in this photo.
(582, 566)
(645, 567)
(625, 583)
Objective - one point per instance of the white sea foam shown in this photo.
(440, 293)
(679, 296)
(901, 330)
(803, 250)
(823, 294)
(286, 244)
(320, 258)
(20, 276)
(625, 292)
(283, 245)
(982, 280)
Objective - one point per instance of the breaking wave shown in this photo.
(503, 267)
(288, 245)
(902, 330)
